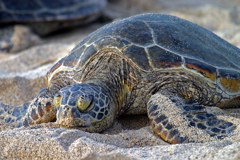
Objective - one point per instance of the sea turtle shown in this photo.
(167, 67)
(43, 17)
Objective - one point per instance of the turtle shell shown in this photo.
(154, 41)
(45, 10)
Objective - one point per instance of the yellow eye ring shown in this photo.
(83, 103)
(57, 100)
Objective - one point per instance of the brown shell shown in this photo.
(155, 41)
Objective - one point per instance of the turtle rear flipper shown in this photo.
(177, 120)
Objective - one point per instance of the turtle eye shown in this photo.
(83, 103)
(57, 100)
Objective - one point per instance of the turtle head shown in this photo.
(84, 106)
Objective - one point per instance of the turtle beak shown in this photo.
(70, 117)
(68, 112)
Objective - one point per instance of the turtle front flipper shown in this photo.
(177, 120)
(11, 117)
(39, 110)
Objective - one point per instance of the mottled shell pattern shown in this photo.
(161, 42)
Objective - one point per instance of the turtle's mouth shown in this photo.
(74, 127)
(65, 125)
(72, 123)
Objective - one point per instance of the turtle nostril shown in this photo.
(66, 111)
(66, 108)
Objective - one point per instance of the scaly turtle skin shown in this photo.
(44, 17)
(161, 65)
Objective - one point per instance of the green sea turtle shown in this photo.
(43, 17)
(167, 67)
